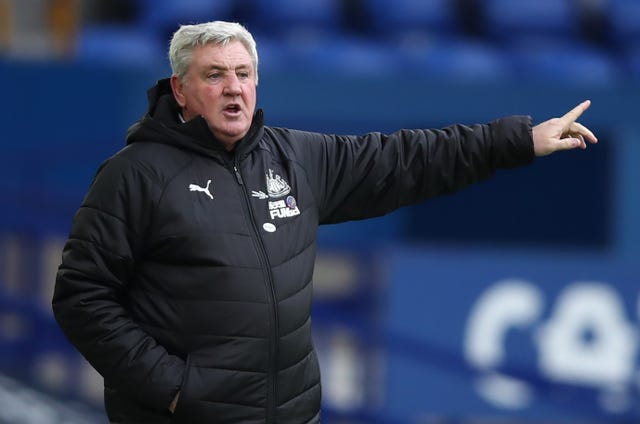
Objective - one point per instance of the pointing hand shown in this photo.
(562, 133)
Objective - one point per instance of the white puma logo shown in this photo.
(205, 190)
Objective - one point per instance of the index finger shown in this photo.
(575, 113)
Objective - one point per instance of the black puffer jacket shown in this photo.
(189, 268)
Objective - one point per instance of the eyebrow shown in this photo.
(225, 68)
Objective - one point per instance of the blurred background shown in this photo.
(515, 301)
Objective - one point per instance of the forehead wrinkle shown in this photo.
(222, 58)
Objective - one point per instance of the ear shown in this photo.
(177, 88)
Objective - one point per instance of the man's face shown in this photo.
(220, 85)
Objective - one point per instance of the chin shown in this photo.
(237, 132)
(230, 136)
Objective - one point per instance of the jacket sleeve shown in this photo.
(371, 175)
(98, 262)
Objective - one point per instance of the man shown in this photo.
(186, 279)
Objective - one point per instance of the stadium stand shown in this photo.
(298, 19)
(623, 19)
(413, 18)
(118, 45)
(514, 21)
(164, 14)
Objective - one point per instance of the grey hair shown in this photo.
(187, 37)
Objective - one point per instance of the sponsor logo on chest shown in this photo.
(283, 208)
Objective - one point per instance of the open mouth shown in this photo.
(232, 108)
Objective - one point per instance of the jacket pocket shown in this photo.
(122, 409)
(184, 392)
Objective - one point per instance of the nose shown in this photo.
(232, 85)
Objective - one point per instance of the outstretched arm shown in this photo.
(562, 133)
(357, 177)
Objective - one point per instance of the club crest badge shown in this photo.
(276, 187)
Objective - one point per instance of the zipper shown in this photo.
(271, 294)
(239, 178)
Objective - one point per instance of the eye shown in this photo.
(243, 74)
(214, 76)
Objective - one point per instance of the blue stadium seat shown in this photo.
(565, 62)
(341, 55)
(168, 14)
(511, 21)
(623, 18)
(632, 61)
(456, 59)
(119, 45)
(272, 54)
(402, 18)
(293, 18)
